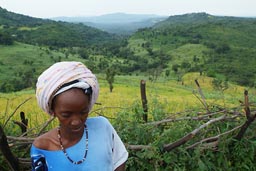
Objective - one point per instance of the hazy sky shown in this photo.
(54, 8)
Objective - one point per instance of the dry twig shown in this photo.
(15, 111)
(169, 147)
(213, 138)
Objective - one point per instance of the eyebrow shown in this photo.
(68, 111)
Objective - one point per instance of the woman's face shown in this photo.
(71, 108)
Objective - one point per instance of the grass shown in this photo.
(188, 51)
(166, 98)
(174, 96)
(136, 46)
(24, 57)
(27, 28)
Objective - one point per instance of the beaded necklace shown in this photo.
(65, 152)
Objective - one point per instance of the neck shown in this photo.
(69, 144)
(70, 137)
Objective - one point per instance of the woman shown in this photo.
(68, 91)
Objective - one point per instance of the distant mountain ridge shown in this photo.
(198, 18)
(119, 23)
(14, 19)
(49, 32)
(111, 18)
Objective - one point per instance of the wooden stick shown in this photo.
(202, 95)
(144, 99)
(250, 117)
(12, 161)
(138, 147)
(25, 139)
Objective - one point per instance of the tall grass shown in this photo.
(166, 98)
(175, 97)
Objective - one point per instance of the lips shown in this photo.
(77, 129)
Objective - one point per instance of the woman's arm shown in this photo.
(121, 167)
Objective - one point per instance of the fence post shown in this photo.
(12, 161)
(23, 124)
(249, 117)
(144, 99)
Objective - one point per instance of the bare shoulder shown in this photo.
(47, 141)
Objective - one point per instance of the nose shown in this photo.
(76, 120)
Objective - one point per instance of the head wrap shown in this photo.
(50, 81)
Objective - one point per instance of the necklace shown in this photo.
(65, 152)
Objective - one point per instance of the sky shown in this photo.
(71, 8)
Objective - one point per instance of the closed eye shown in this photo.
(86, 111)
(65, 115)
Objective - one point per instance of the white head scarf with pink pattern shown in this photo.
(50, 81)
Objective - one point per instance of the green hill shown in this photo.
(218, 46)
(51, 33)
(28, 45)
(20, 64)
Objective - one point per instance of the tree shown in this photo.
(155, 73)
(6, 39)
(175, 68)
(83, 53)
(110, 74)
(219, 84)
(167, 73)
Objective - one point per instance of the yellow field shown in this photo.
(172, 94)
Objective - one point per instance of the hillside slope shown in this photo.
(48, 32)
(21, 64)
(218, 46)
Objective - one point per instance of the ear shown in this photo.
(52, 113)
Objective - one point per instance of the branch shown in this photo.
(203, 101)
(213, 138)
(137, 147)
(46, 124)
(156, 123)
(250, 117)
(23, 139)
(15, 111)
(111, 107)
(25, 161)
(169, 147)
(246, 105)
(22, 125)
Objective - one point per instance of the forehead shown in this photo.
(73, 98)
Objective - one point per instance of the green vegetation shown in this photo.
(5, 39)
(221, 47)
(218, 46)
(22, 63)
(219, 52)
(167, 99)
(46, 32)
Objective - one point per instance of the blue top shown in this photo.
(105, 150)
